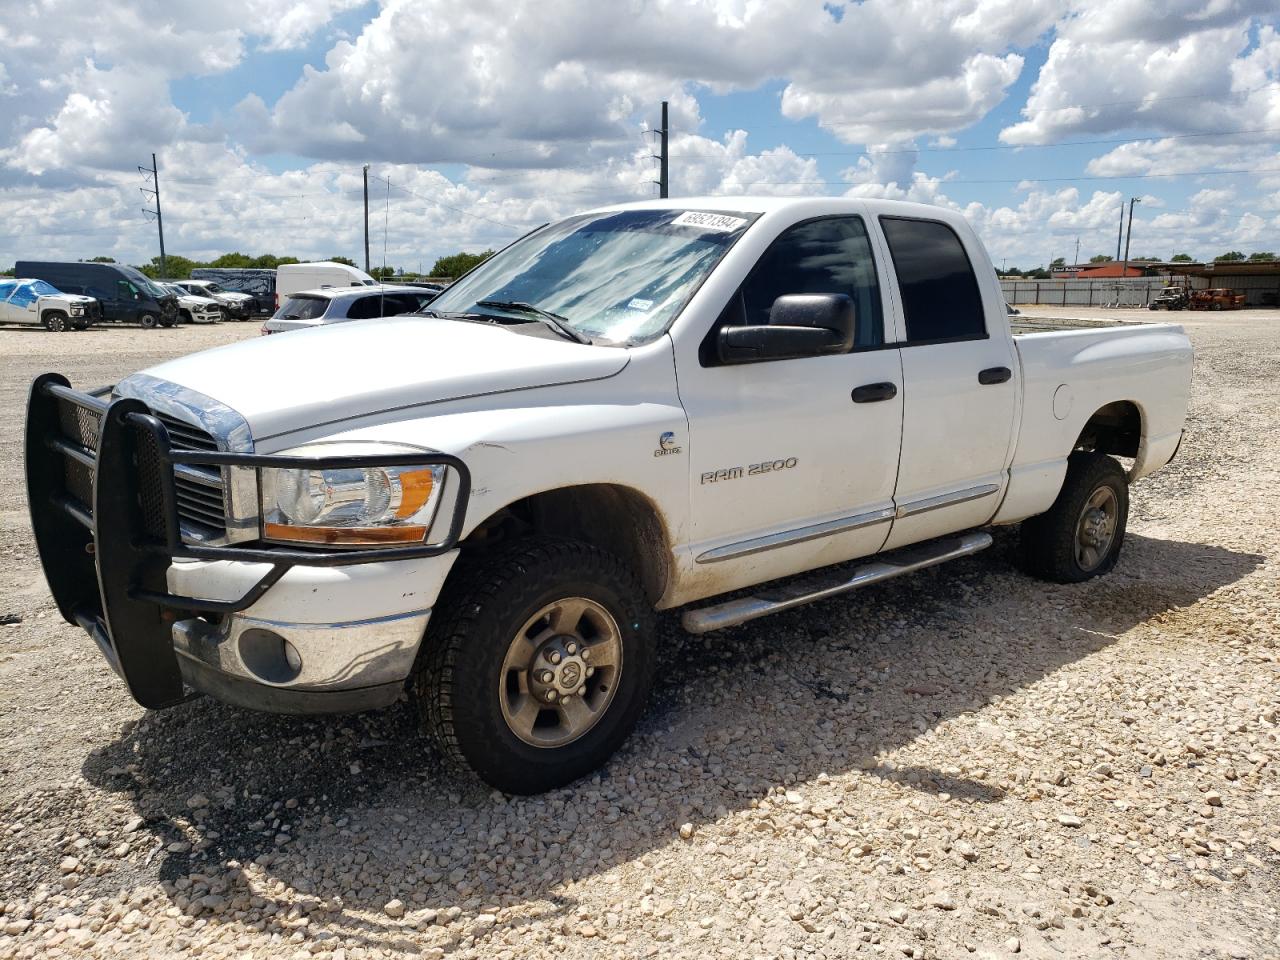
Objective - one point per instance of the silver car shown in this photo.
(314, 308)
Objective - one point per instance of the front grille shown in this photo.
(200, 491)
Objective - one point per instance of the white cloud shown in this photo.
(548, 76)
(1115, 65)
(542, 104)
(93, 81)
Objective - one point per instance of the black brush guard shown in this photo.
(100, 486)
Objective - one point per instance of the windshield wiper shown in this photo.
(553, 320)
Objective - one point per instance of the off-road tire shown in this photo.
(148, 321)
(485, 602)
(55, 321)
(1048, 542)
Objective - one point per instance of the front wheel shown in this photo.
(538, 662)
(147, 321)
(1081, 534)
(55, 321)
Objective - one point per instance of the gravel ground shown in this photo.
(962, 763)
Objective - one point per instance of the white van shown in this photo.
(295, 277)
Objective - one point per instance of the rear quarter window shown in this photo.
(304, 308)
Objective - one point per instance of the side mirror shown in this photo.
(800, 325)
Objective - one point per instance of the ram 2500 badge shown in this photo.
(640, 408)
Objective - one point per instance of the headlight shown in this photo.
(351, 506)
(77, 311)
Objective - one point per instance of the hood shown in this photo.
(342, 371)
(77, 298)
(233, 295)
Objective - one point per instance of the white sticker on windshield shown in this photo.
(708, 221)
(639, 304)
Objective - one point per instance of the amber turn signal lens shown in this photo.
(415, 491)
(346, 536)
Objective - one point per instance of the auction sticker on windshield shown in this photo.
(709, 221)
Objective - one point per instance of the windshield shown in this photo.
(213, 288)
(303, 308)
(145, 283)
(616, 277)
(40, 288)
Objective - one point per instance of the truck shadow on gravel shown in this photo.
(331, 818)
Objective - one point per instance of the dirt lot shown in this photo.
(966, 762)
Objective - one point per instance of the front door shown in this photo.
(788, 472)
(9, 311)
(962, 397)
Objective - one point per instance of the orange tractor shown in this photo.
(1216, 298)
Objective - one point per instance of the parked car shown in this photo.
(1217, 298)
(234, 305)
(313, 308)
(650, 406)
(192, 308)
(126, 295)
(293, 278)
(1172, 297)
(38, 302)
(256, 283)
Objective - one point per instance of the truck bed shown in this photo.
(1021, 326)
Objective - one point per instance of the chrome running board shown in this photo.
(895, 564)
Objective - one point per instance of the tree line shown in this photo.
(178, 267)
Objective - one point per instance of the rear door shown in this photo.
(961, 395)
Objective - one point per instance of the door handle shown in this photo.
(994, 375)
(874, 392)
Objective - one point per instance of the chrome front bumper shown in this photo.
(300, 667)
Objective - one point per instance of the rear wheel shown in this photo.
(1080, 536)
(55, 321)
(538, 663)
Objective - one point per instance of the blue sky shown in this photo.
(486, 117)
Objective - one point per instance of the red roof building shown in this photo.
(1109, 269)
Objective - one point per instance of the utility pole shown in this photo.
(1077, 259)
(1128, 235)
(661, 156)
(664, 184)
(154, 173)
(1120, 232)
(366, 218)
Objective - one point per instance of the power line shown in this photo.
(1006, 146)
(1230, 94)
(441, 203)
(1117, 176)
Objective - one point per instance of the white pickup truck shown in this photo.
(651, 406)
(43, 304)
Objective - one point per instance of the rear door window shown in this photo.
(366, 308)
(940, 296)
